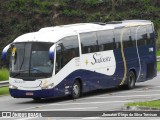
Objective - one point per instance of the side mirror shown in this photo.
(51, 52)
(4, 52)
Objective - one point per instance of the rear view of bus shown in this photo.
(77, 58)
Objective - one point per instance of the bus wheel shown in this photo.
(76, 90)
(131, 80)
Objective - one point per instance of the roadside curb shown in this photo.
(137, 108)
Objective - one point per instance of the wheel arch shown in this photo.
(134, 70)
(76, 90)
(80, 82)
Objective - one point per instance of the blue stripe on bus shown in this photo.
(89, 79)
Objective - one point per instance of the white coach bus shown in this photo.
(77, 58)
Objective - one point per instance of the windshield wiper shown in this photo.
(37, 70)
(21, 71)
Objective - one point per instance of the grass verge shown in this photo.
(158, 66)
(158, 53)
(4, 74)
(151, 104)
(4, 91)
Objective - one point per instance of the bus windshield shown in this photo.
(30, 60)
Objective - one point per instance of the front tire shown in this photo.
(76, 90)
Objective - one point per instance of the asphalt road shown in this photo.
(101, 100)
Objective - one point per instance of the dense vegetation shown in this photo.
(4, 74)
(21, 16)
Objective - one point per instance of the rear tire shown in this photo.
(76, 90)
(131, 80)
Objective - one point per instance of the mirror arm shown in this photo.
(51, 52)
(4, 52)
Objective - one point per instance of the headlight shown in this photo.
(48, 86)
(12, 86)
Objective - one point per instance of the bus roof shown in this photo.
(53, 34)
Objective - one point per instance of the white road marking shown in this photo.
(147, 90)
(143, 90)
(80, 103)
(110, 96)
(67, 109)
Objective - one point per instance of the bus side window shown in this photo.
(127, 40)
(114, 43)
(133, 35)
(106, 40)
(142, 36)
(71, 48)
(117, 33)
(59, 57)
(88, 42)
(150, 35)
(66, 50)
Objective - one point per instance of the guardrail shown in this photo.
(158, 59)
(4, 83)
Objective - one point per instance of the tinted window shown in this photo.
(127, 39)
(133, 35)
(70, 47)
(106, 40)
(67, 49)
(142, 36)
(59, 57)
(117, 34)
(89, 42)
(30, 61)
(150, 34)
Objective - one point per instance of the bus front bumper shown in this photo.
(45, 93)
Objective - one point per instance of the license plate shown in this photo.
(29, 93)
